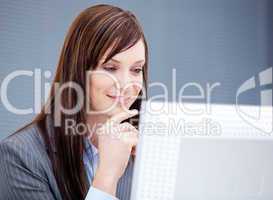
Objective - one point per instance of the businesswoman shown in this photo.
(50, 158)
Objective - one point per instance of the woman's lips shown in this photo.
(119, 98)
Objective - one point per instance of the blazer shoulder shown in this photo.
(25, 168)
(29, 140)
(26, 150)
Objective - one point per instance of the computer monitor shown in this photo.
(203, 152)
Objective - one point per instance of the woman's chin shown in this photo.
(111, 110)
(117, 109)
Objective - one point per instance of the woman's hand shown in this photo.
(115, 143)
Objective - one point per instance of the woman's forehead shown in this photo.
(135, 53)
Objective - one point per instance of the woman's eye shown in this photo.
(111, 69)
(137, 70)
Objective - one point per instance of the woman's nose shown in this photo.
(123, 79)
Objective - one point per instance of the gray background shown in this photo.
(207, 41)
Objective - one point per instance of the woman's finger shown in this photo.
(123, 116)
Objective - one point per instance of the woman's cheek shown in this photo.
(138, 87)
(99, 85)
(135, 96)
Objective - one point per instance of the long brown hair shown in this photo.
(92, 33)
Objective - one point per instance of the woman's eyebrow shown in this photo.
(117, 61)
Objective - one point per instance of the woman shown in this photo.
(99, 78)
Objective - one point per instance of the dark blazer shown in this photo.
(26, 172)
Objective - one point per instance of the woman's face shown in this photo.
(115, 85)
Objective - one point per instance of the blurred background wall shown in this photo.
(207, 42)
